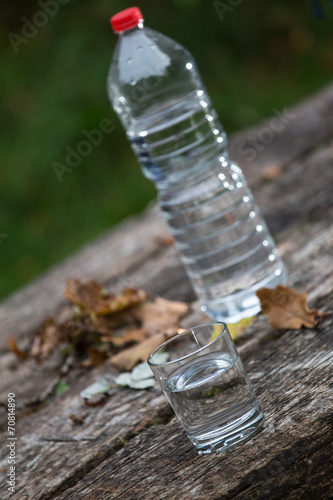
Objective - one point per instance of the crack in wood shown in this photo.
(162, 417)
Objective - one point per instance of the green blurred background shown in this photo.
(253, 56)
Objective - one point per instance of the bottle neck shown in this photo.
(129, 32)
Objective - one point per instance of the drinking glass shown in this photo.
(203, 378)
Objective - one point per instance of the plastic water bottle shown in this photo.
(155, 88)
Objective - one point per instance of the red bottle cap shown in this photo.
(126, 19)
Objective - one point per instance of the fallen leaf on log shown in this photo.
(271, 172)
(287, 309)
(47, 338)
(126, 380)
(141, 377)
(76, 419)
(12, 346)
(61, 387)
(160, 314)
(95, 358)
(137, 335)
(100, 387)
(128, 358)
(123, 328)
(96, 393)
(165, 241)
(235, 329)
(93, 298)
(98, 402)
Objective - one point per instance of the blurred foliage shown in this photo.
(254, 56)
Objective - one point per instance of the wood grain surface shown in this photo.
(132, 446)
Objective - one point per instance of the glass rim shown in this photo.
(185, 332)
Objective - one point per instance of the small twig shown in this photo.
(66, 439)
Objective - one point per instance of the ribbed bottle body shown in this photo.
(224, 242)
(177, 137)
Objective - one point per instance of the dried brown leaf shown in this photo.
(271, 172)
(12, 346)
(160, 314)
(92, 298)
(77, 420)
(287, 309)
(85, 295)
(95, 358)
(47, 339)
(104, 324)
(137, 335)
(128, 358)
(165, 241)
(98, 402)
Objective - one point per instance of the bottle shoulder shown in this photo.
(148, 67)
(140, 49)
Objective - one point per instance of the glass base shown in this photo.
(225, 438)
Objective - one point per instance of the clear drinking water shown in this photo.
(223, 241)
(156, 90)
(202, 376)
(214, 401)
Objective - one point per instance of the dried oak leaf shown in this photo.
(137, 335)
(271, 172)
(159, 320)
(77, 420)
(95, 358)
(287, 309)
(98, 402)
(92, 298)
(128, 358)
(49, 336)
(165, 241)
(12, 346)
(160, 314)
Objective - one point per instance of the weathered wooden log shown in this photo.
(124, 249)
(132, 446)
(290, 458)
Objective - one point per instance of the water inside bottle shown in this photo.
(224, 242)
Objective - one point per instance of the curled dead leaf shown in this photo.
(128, 358)
(95, 358)
(160, 314)
(77, 420)
(235, 329)
(92, 298)
(137, 335)
(287, 309)
(12, 346)
(47, 339)
(271, 172)
(96, 402)
(100, 326)
(165, 241)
